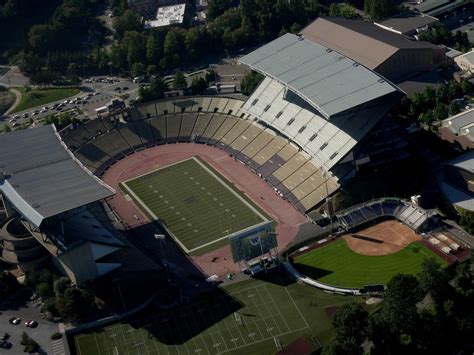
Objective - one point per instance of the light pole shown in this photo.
(161, 238)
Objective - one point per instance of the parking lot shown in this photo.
(20, 306)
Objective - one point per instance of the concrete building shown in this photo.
(459, 129)
(167, 15)
(392, 55)
(458, 185)
(408, 23)
(48, 199)
(466, 62)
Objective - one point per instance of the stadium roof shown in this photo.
(42, 178)
(464, 161)
(361, 41)
(329, 81)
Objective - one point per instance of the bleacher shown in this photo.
(413, 216)
(210, 120)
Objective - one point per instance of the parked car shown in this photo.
(5, 344)
(15, 320)
(31, 323)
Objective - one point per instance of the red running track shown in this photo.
(262, 194)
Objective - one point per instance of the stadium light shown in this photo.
(161, 238)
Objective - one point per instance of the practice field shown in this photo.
(197, 205)
(37, 97)
(336, 264)
(249, 317)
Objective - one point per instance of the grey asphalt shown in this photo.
(21, 307)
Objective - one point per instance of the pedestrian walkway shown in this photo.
(58, 347)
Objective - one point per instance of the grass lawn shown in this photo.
(243, 318)
(38, 97)
(336, 264)
(197, 205)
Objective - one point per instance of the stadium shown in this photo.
(272, 157)
(225, 181)
(377, 240)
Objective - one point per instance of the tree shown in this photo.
(440, 111)
(179, 81)
(152, 70)
(399, 306)
(44, 290)
(138, 69)
(198, 86)
(8, 283)
(217, 7)
(60, 286)
(350, 322)
(342, 10)
(454, 107)
(128, 21)
(434, 280)
(380, 9)
(251, 80)
(466, 87)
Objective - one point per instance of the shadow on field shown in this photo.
(277, 276)
(311, 271)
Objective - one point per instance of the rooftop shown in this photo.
(360, 40)
(469, 56)
(460, 121)
(429, 5)
(407, 22)
(42, 178)
(168, 15)
(327, 80)
(464, 161)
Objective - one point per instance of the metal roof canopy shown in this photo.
(329, 81)
(42, 178)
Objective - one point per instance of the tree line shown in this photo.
(428, 314)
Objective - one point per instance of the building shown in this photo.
(168, 15)
(148, 8)
(322, 101)
(459, 129)
(49, 202)
(458, 184)
(113, 107)
(439, 8)
(408, 23)
(466, 62)
(392, 55)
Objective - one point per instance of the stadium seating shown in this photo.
(144, 131)
(218, 121)
(187, 126)
(158, 126)
(173, 124)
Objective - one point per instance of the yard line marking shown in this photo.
(292, 300)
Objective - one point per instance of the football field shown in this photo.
(256, 316)
(249, 317)
(197, 205)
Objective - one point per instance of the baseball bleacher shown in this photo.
(210, 120)
(413, 216)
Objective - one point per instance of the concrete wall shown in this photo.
(78, 264)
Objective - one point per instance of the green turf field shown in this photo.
(38, 97)
(244, 318)
(336, 264)
(197, 205)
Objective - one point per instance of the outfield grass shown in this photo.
(336, 264)
(244, 318)
(38, 97)
(197, 205)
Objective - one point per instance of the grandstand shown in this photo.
(410, 215)
(295, 131)
(48, 196)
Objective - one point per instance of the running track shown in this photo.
(287, 217)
